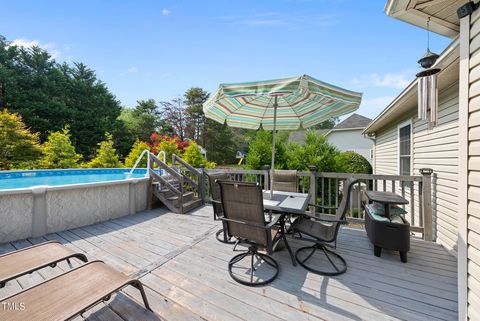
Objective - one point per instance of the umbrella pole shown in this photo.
(275, 105)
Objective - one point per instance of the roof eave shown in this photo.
(402, 10)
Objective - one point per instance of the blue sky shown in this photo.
(158, 49)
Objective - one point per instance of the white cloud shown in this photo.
(166, 12)
(50, 47)
(371, 107)
(295, 20)
(390, 80)
(131, 70)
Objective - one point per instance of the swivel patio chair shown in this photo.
(216, 201)
(323, 230)
(285, 180)
(244, 217)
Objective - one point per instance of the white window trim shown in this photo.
(400, 126)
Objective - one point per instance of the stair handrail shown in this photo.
(164, 166)
(189, 168)
(176, 158)
(146, 151)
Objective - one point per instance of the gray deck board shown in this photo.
(184, 270)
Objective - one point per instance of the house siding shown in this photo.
(473, 174)
(435, 148)
(352, 140)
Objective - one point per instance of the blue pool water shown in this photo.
(24, 179)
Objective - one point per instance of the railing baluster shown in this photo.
(384, 185)
(358, 199)
(336, 192)
(393, 186)
(329, 194)
(323, 192)
(420, 204)
(412, 203)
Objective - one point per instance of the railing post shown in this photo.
(201, 183)
(266, 183)
(150, 184)
(313, 190)
(427, 203)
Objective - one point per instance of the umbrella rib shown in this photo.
(269, 103)
(293, 109)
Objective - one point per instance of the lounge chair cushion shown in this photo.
(379, 209)
(397, 219)
(374, 213)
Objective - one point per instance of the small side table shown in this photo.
(387, 235)
(387, 199)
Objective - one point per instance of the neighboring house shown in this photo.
(346, 136)
(404, 144)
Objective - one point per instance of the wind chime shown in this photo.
(428, 85)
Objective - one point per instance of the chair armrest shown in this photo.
(264, 227)
(326, 219)
(275, 218)
(324, 207)
(215, 201)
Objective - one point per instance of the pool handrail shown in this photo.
(146, 151)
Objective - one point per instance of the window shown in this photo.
(404, 149)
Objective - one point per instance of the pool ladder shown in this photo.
(147, 152)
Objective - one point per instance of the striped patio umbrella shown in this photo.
(280, 104)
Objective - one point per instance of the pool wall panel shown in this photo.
(37, 211)
(15, 216)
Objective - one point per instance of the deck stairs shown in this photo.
(178, 187)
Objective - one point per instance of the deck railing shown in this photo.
(325, 189)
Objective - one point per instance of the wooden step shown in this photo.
(187, 207)
(187, 197)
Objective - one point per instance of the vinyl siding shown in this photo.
(435, 148)
(473, 217)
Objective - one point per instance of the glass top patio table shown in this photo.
(287, 202)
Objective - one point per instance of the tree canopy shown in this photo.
(50, 95)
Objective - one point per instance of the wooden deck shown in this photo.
(185, 272)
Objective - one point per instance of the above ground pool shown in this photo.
(56, 177)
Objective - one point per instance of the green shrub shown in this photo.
(351, 162)
(106, 156)
(19, 147)
(137, 148)
(260, 150)
(315, 151)
(58, 151)
(193, 156)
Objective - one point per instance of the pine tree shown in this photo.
(59, 152)
(106, 156)
(19, 147)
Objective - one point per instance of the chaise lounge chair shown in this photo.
(67, 295)
(36, 257)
